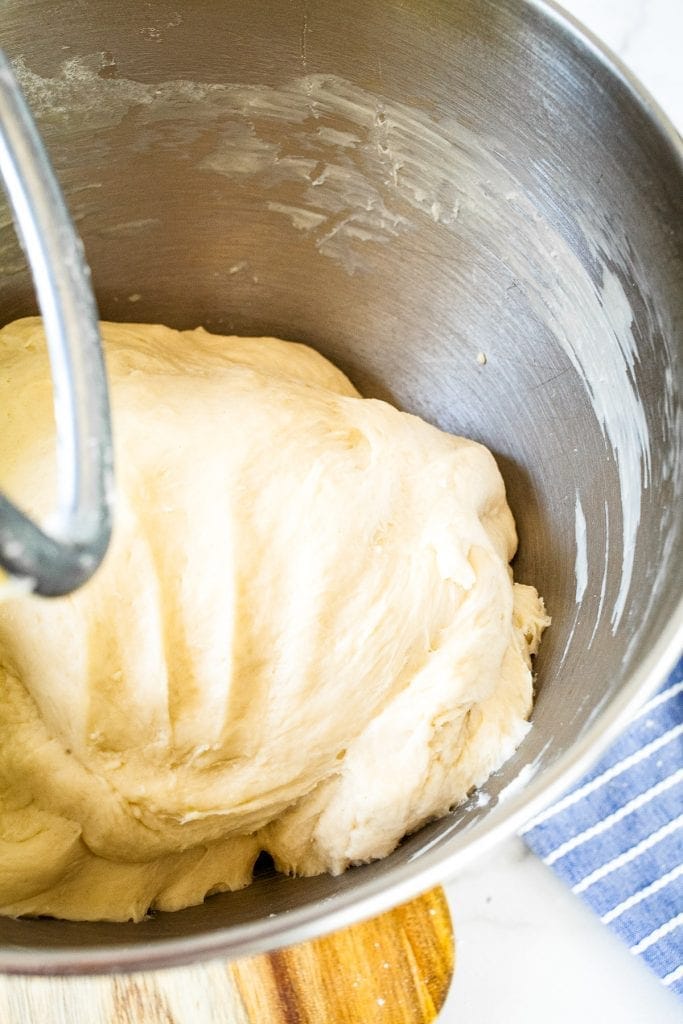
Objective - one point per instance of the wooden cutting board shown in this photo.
(394, 969)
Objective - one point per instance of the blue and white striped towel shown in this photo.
(617, 838)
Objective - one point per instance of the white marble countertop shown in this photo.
(528, 951)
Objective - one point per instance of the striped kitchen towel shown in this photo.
(617, 839)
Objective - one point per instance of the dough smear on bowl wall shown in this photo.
(305, 638)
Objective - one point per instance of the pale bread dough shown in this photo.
(305, 637)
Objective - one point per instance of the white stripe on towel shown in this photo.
(642, 894)
(601, 826)
(628, 855)
(674, 975)
(657, 934)
(617, 769)
(660, 698)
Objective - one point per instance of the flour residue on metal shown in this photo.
(349, 171)
(524, 776)
(605, 573)
(581, 561)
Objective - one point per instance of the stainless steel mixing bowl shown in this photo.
(475, 212)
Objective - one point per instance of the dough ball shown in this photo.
(305, 637)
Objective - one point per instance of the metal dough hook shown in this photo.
(58, 562)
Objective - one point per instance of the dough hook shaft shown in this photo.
(58, 561)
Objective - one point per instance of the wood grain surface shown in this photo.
(395, 968)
